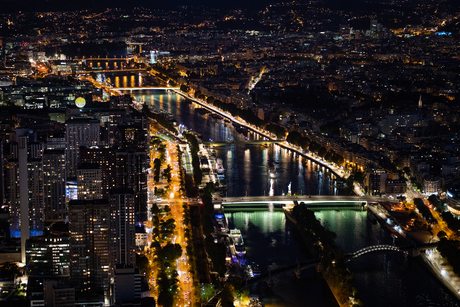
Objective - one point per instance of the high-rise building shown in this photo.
(127, 286)
(131, 173)
(105, 158)
(48, 256)
(120, 102)
(58, 295)
(89, 183)
(54, 179)
(89, 224)
(24, 187)
(122, 227)
(80, 132)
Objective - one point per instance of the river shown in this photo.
(271, 241)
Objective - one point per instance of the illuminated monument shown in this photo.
(153, 55)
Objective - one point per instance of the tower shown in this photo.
(24, 187)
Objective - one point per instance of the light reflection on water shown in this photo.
(381, 280)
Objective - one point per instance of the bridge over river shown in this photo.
(414, 251)
(251, 142)
(313, 201)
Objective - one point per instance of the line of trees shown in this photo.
(450, 249)
(451, 220)
(216, 251)
(424, 210)
(161, 119)
(165, 254)
(194, 149)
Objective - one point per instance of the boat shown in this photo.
(249, 272)
(219, 166)
(202, 111)
(238, 243)
(272, 173)
(255, 269)
(215, 115)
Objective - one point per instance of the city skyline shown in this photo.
(239, 152)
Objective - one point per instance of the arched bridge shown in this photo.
(374, 249)
(414, 249)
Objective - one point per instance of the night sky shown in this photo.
(9, 6)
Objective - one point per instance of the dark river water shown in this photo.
(271, 241)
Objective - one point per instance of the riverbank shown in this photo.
(436, 271)
(430, 260)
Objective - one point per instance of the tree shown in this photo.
(9, 270)
(156, 169)
(165, 298)
(184, 88)
(442, 234)
(197, 93)
(167, 173)
(170, 252)
(227, 295)
(322, 151)
(294, 137)
(154, 209)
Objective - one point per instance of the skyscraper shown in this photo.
(80, 132)
(122, 227)
(131, 173)
(104, 157)
(89, 224)
(48, 256)
(89, 183)
(54, 178)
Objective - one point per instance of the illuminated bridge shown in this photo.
(374, 249)
(312, 201)
(97, 70)
(254, 142)
(104, 59)
(144, 88)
